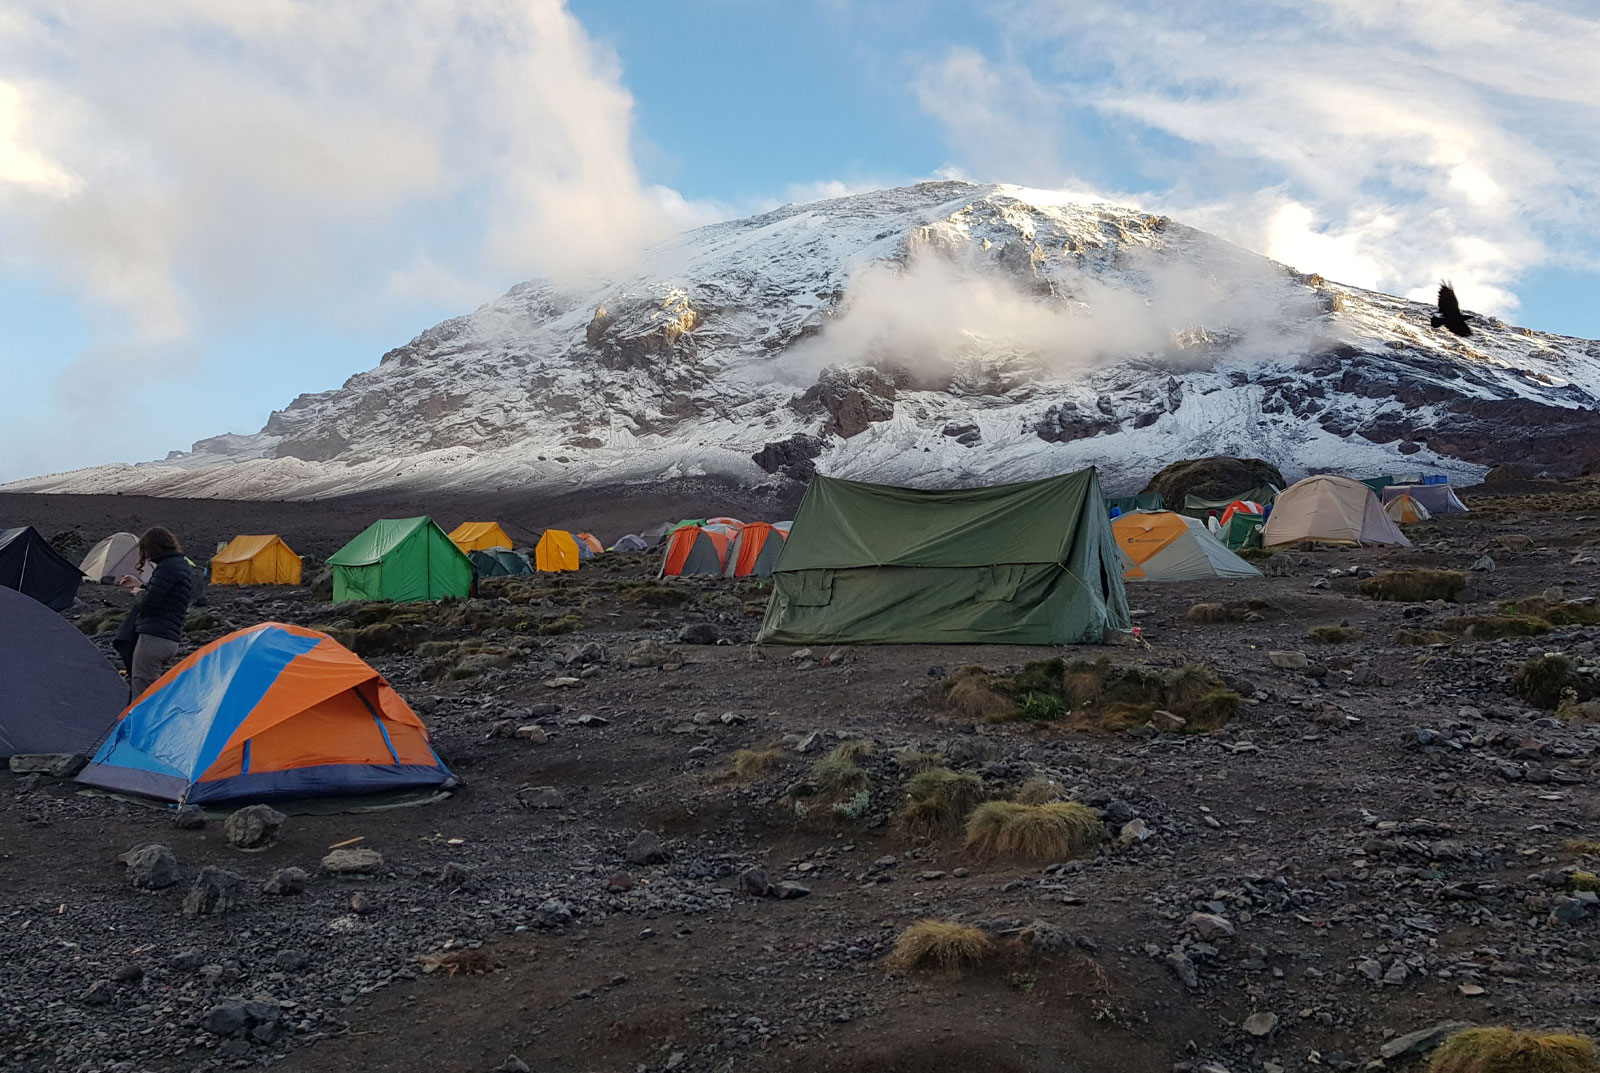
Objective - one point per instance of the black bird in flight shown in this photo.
(1450, 315)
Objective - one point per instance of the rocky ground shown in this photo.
(1385, 836)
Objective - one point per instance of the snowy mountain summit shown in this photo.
(940, 334)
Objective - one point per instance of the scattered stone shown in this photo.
(533, 733)
(287, 881)
(1183, 969)
(1421, 1041)
(1289, 661)
(1484, 564)
(1397, 974)
(215, 890)
(786, 890)
(587, 720)
(362, 904)
(253, 827)
(353, 862)
(512, 1064)
(541, 797)
(754, 881)
(646, 848)
(55, 765)
(1371, 968)
(189, 818)
(1568, 911)
(1208, 926)
(128, 973)
(1261, 1023)
(698, 633)
(454, 876)
(100, 993)
(619, 883)
(563, 682)
(1134, 831)
(151, 867)
(648, 654)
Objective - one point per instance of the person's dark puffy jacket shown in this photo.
(164, 605)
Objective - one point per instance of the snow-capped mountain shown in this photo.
(939, 334)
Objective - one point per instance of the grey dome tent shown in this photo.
(31, 566)
(61, 694)
(631, 542)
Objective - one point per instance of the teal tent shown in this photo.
(499, 562)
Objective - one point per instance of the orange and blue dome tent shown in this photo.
(556, 550)
(275, 711)
(588, 545)
(756, 549)
(698, 549)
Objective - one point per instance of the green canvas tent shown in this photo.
(1142, 501)
(1242, 531)
(1029, 563)
(400, 559)
(1195, 507)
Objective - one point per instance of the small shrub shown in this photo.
(1543, 680)
(938, 801)
(939, 946)
(749, 763)
(435, 649)
(853, 808)
(1505, 1050)
(460, 674)
(1333, 635)
(1041, 707)
(1415, 586)
(1051, 832)
(1421, 638)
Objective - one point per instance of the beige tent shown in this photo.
(1333, 510)
(116, 555)
(1406, 510)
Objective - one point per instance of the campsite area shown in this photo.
(674, 849)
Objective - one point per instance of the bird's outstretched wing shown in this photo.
(1449, 308)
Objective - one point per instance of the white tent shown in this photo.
(1332, 510)
(116, 555)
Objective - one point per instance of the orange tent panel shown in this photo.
(256, 560)
(697, 550)
(591, 540)
(1141, 536)
(480, 536)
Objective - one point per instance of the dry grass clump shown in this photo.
(1333, 635)
(1581, 880)
(1555, 612)
(937, 801)
(1505, 1050)
(1234, 611)
(1545, 681)
(1055, 831)
(837, 774)
(1495, 627)
(1112, 696)
(976, 694)
(1421, 638)
(1039, 790)
(458, 963)
(749, 763)
(1414, 586)
(1583, 847)
(913, 760)
(652, 595)
(939, 946)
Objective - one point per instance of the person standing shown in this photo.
(163, 605)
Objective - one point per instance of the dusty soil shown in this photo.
(1384, 831)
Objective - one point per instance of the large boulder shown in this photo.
(1212, 478)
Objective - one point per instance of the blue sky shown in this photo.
(207, 208)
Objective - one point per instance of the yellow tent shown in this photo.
(480, 536)
(557, 550)
(255, 560)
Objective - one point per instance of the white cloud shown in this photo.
(1381, 144)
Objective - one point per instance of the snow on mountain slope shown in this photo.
(939, 334)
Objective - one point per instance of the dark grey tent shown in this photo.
(631, 542)
(499, 562)
(31, 566)
(61, 694)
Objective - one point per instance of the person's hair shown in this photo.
(155, 544)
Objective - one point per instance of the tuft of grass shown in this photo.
(1505, 1050)
(1041, 707)
(976, 694)
(1414, 586)
(1421, 638)
(1055, 831)
(1495, 627)
(1583, 847)
(837, 774)
(749, 763)
(1333, 635)
(913, 761)
(1039, 790)
(458, 963)
(1253, 554)
(567, 623)
(658, 596)
(938, 801)
(1234, 611)
(201, 621)
(941, 946)
(1544, 681)
(1581, 880)
(1555, 612)
(380, 638)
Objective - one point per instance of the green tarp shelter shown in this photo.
(400, 559)
(1030, 563)
(1142, 501)
(1242, 531)
(1195, 507)
(499, 562)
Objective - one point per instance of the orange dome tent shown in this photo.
(269, 712)
(255, 560)
(1406, 510)
(1164, 546)
(756, 549)
(588, 545)
(698, 549)
(556, 551)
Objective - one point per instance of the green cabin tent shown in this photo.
(499, 562)
(1195, 507)
(1028, 563)
(1142, 501)
(400, 559)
